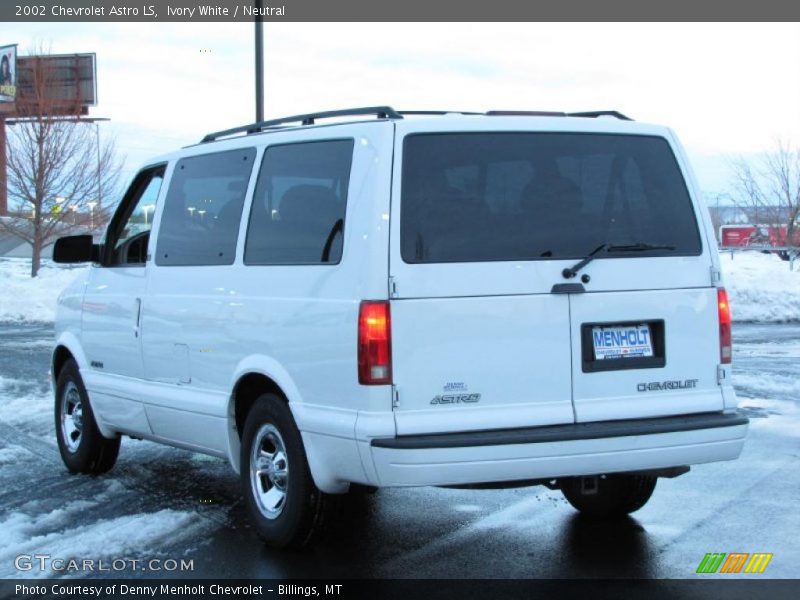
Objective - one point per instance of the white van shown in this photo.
(396, 299)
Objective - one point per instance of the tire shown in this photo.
(616, 495)
(80, 443)
(287, 509)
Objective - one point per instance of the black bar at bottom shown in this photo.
(564, 433)
(401, 589)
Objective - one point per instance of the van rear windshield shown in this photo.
(475, 197)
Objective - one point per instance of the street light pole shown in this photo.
(259, 62)
(91, 206)
(99, 184)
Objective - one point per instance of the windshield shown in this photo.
(473, 197)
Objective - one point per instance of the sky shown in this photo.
(726, 89)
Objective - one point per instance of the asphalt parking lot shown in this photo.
(166, 503)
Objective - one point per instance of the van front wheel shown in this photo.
(612, 495)
(80, 443)
(286, 507)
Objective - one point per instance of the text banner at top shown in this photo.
(403, 10)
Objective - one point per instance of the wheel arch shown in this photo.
(259, 375)
(61, 355)
(254, 376)
(66, 347)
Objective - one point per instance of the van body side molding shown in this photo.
(564, 433)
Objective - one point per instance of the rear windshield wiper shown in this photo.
(573, 270)
(635, 247)
(638, 247)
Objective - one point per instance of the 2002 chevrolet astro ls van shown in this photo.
(374, 298)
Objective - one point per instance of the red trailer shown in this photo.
(758, 236)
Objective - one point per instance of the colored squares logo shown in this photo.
(734, 562)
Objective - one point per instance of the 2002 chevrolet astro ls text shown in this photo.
(147, 10)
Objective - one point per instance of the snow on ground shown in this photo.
(26, 404)
(776, 385)
(13, 455)
(26, 299)
(761, 286)
(55, 533)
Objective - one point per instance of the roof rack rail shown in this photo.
(601, 113)
(524, 113)
(544, 113)
(438, 112)
(381, 112)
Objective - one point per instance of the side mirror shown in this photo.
(76, 249)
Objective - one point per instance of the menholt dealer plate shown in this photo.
(627, 341)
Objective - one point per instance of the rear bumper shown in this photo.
(558, 451)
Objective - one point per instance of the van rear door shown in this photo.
(478, 339)
(645, 335)
(488, 333)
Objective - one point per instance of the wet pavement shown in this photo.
(164, 503)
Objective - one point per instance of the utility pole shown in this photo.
(259, 62)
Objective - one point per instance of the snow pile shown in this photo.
(26, 404)
(54, 532)
(762, 288)
(13, 455)
(25, 299)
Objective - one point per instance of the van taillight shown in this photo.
(725, 344)
(374, 343)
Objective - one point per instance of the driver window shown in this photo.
(130, 231)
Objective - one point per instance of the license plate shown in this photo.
(622, 341)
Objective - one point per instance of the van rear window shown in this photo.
(475, 197)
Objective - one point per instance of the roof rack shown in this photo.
(381, 112)
(524, 113)
(387, 112)
(601, 113)
(593, 114)
(438, 112)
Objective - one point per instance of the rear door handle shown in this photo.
(568, 288)
(138, 317)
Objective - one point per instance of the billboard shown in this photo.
(8, 73)
(54, 84)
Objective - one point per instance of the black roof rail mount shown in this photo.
(381, 112)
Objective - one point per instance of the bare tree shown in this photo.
(769, 187)
(57, 168)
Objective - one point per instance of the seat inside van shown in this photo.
(299, 230)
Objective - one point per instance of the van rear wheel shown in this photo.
(287, 509)
(612, 495)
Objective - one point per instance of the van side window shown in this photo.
(299, 204)
(129, 231)
(203, 208)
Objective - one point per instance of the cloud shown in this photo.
(725, 88)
